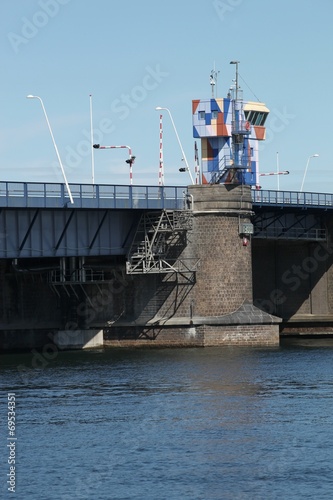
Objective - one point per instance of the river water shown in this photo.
(213, 423)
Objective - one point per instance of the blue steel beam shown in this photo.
(64, 230)
(29, 229)
(98, 230)
(64, 233)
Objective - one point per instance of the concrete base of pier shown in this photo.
(307, 325)
(46, 340)
(248, 326)
(78, 339)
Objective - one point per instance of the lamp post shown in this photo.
(306, 168)
(54, 144)
(180, 144)
(92, 142)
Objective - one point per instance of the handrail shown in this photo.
(53, 195)
(292, 198)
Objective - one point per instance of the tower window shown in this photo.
(202, 115)
(256, 117)
(214, 114)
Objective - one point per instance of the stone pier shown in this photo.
(215, 307)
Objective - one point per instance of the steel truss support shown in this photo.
(289, 225)
(158, 242)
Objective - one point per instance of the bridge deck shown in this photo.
(38, 220)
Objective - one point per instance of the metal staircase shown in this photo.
(225, 164)
(227, 172)
(158, 242)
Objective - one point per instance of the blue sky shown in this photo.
(135, 55)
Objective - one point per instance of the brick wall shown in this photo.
(153, 337)
(224, 277)
(200, 336)
(242, 335)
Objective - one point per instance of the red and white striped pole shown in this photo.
(161, 167)
(130, 160)
(196, 164)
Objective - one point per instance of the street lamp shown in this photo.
(180, 144)
(306, 168)
(54, 144)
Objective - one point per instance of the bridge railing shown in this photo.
(53, 195)
(292, 198)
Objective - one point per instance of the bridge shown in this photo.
(38, 220)
(58, 256)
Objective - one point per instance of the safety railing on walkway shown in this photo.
(292, 198)
(52, 195)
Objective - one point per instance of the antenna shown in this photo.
(236, 62)
(213, 80)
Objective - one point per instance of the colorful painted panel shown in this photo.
(228, 139)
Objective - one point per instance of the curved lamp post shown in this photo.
(180, 144)
(306, 168)
(54, 144)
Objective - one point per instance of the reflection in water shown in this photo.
(226, 423)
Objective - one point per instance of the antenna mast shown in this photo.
(236, 81)
(213, 81)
